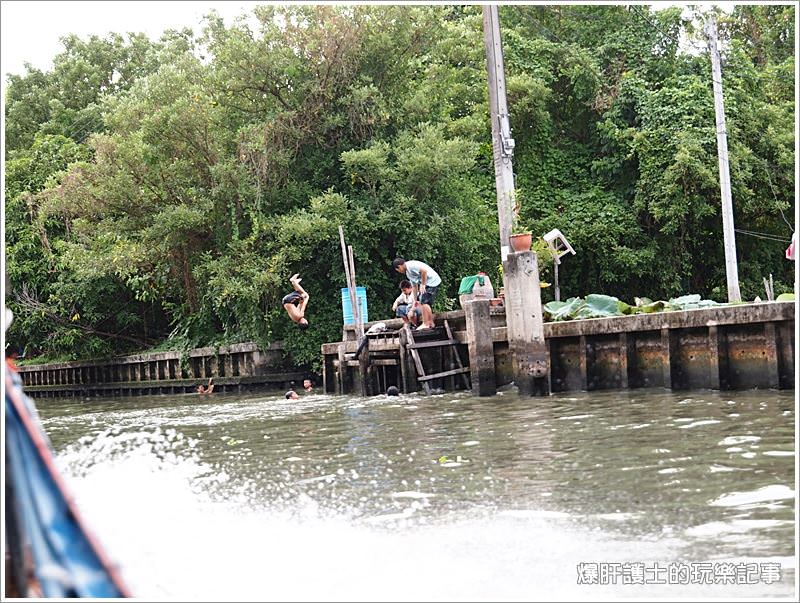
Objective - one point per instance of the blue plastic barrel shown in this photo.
(347, 309)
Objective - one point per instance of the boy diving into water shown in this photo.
(295, 303)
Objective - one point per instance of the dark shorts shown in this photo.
(427, 297)
(292, 298)
(402, 310)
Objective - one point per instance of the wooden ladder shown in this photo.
(413, 347)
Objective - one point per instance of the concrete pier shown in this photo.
(235, 368)
(728, 347)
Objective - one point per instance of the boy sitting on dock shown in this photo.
(405, 306)
(295, 303)
(427, 280)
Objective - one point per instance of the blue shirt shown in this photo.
(413, 268)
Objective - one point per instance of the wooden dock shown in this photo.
(729, 347)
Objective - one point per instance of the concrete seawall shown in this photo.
(729, 347)
(238, 367)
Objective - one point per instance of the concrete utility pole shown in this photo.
(524, 320)
(502, 143)
(729, 237)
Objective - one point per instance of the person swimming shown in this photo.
(206, 390)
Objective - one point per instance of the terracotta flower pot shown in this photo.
(521, 241)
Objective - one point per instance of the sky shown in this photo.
(30, 30)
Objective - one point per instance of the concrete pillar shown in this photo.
(713, 357)
(525, 324)
(625, 358)
(481, 347)
(227, 365)
(771, 348)
(583, 362)
(669, 356)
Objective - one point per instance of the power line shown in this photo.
(638, 11)
(772, 188)
(762, 235)
(569, 45)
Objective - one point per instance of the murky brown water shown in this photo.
(445, 497)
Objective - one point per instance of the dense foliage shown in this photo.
(161, 193)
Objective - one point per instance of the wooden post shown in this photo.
(341, 374)
(349, 270)
(481, 347)
(364, 369)
(403, 362)
(525, 324)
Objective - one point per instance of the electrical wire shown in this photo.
(762, 235)
(638, 11)
(772, 188)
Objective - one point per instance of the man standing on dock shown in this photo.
(426, 280)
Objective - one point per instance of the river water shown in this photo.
(589, 495)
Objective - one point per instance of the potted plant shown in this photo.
(521, 241)
(521, 237)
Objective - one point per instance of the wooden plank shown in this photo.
(444, 374)
(456, 354)
(432, 344)
(418, 362)
(378, 362)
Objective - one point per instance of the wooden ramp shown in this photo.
(433, 338)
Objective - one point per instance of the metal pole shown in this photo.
(555, 280)
(729, 237)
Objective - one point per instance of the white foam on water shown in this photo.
(733, 440)
(181, 529)
(174, 538)
(716, 528)
(175, 541)
(412, 494)
(765, 494)
(699, 423)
